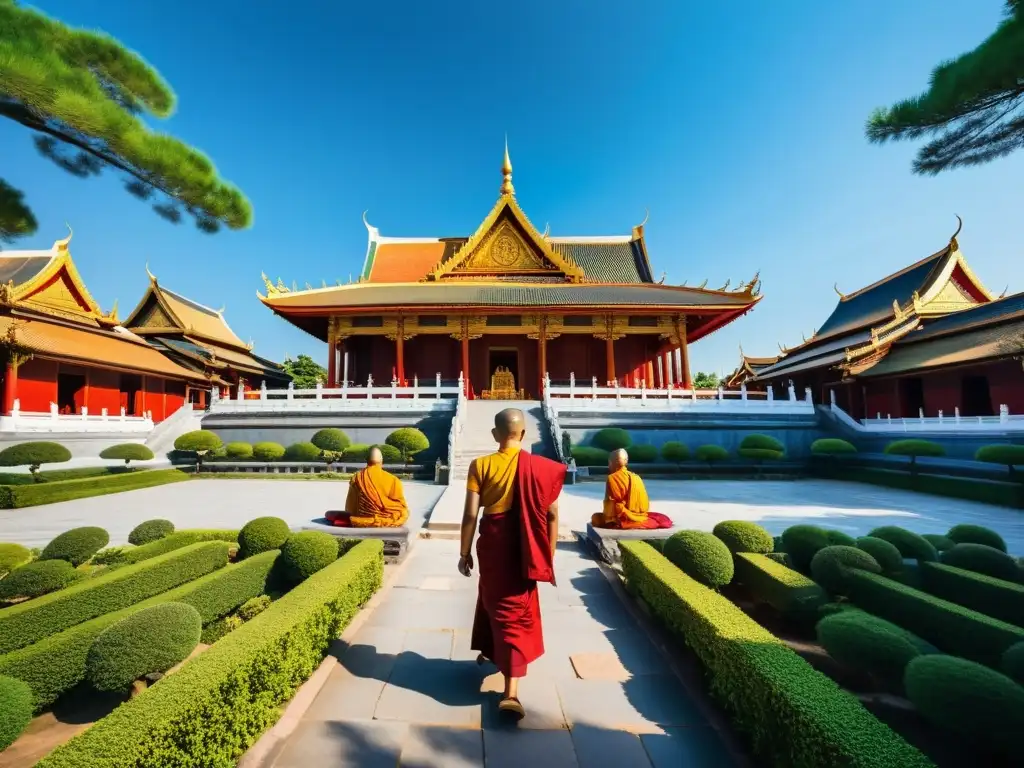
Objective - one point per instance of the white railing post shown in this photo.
(85, 412)
(437, 386)
(668, 395)
(462, 383)
(643, 391)
(415, 387)
(214, 394)
(593, 387)
(956, 414)
(771, 393)
(344, 388)
(940, 417)
(618, 394)
(720, 394)
(832, 397)
(693, 392)
(743, 392)
(122, 413)
(920, 414)
(572, 385)
(263, 390)
(546, 394)
(241, 390)
(103, 414)
(54, 413)
(1004, 414)
(319, 391)
(15, 406)
(792, 393)
(291, 390)
(394, 389)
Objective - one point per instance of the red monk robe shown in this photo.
(514, 553)
(626, 504)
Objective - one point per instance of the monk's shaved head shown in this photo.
(617, 459)
(509, 424)
(374, 456)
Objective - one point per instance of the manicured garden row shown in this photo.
(795, 716)
(169, 543)
(31, 621)
(997, 598)
(786, 590)
(209, 712)
(18, 496)
(949, 627)
(971, 489)
(57, 664)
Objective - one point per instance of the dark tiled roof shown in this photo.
(797, 359)
(483, 295)
(984, 343)
(989, 313)
(181, 346)
(20, 269)
(607, 262)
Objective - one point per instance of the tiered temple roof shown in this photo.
(748, 369)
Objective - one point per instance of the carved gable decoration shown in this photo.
(60, 296)
(152, 315)
(504, 250)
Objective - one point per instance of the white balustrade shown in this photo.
(53, 421)
(1003, 422)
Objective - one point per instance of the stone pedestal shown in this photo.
(396, 540)
(606, 540)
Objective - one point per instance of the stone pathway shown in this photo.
(408, 691)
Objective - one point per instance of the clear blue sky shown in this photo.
(739, 125)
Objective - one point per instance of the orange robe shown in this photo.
(375, 500)
(626, 504)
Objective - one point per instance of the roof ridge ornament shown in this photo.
(840, 294)
(62, 245)
(150, 275)
(507, 190)
(953, 244)
(1003, 294)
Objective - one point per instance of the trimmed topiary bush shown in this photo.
(238, 451)
(744, 536)
(331, 439)
(982, 559)
(781, 558)
(1013, 662)
(304, 452)
(976, 534)
(253, 607)
(15, 710)
(267, 451)
(1010, 456)
(201, 442)
(390, 454)
(151, 640)
(611, 439)
(840, 539)
(33, 455)
(711, 454)
(218, 628)
(642, 454)
(149, 531)
(772, 582)
(127, 452)
(884, 552)
(761, 448)
(38, 578)
(409, 441)
(830, 566)
(832, 446)
(802, 542)
(262, 535)
(910, 544)
(967, 698)
(356, 452)
(587, 456)
(701, 556)
(862, 641)
(675, 452)
(914, 448)
(77, 545)
(13, 555)
(307, 552)
(940, 542)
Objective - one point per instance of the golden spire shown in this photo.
(840, 294)
(507, 190)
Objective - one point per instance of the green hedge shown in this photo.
(987, 491)
(57, 664)
(784, 589)
(18, 496)
(949, 627)
(861, 641)
(211, 710)
(983, 559)
(795, 716)
(587, 456)
(31, 621)
(994, 597)
(967, 533)
(176, 540)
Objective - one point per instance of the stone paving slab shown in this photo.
(677, 747)
(599, 748)
(535, 749)
(344, 744)
(440, 747)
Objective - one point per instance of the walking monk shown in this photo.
(626, 505)
(375, 498)
(518, 533)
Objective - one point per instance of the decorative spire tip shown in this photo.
(506, 171)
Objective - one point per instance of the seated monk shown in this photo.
(375, 498)
(626, 505)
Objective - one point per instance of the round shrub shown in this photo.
(1009, 456)
(262, 535)
(967, 698)
(832, 446)
(33, 454)
(127, 452)
(840, 539)
(199, 441)
(914, 448)
(940, 542)
(218, 628)
(884, 552)
(642, 454)
(982, 559)
(1012, 662)
(15, 709)
(238, 451)
(675, 452)
(302, 452)
(712, 454)
(77, 545)
(701, 556)
(253, 607)
(611, 439)
(356, 452)
(744, 536)
(831, 565)
(38, 578)
(13, 555)
(762, 443)
(802, 542)
(409, 441)
(861, 641)
(976, 534)
(331, 439)
(910, 544)
(150, 530)
(267, 451)
(306, 552)
(150, 640)
(587, 456)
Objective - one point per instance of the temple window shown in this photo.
(368, 322)
(504, 320)
(578, 321)
(432, 321)
(643, 321)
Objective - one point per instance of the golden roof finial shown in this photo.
(953, 244)
(62, 245)
(507, 190)
(152, 277)
(840, 294)
(1003, 294)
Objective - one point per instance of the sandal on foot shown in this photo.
(481, 660)
(512, 706)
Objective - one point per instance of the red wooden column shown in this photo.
(465, 356)
(609, 350)
(649, 371)
(10, 388)
(684, 353)
(332, 362)
(400, 351)
(542, 353)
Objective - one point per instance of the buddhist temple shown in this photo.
(508, 304)
(200, 340)
(746, 372)
(927, 339)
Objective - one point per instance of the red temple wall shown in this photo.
(881, 399)
(37, 384)
(104, 391)
(429, 354)
(155, 397)
(174, 396)
(942, 392)
(583, 356)
(480, 362)
(1006, 383)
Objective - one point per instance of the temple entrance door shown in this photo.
(504, 357)
(70, 392)
(975, 398)
(911, 397)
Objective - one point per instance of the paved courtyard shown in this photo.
(408, 692)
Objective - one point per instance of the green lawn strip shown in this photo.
(211, 710)
(794, 716)
(786, 590)
(1003, 600)
(18, 496)
(56, 475)
(31, 621)
(55, 665)
(171, 542)
(949, 627)
(999, 492)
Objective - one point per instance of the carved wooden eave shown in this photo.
(153, 323)
(954, 288)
